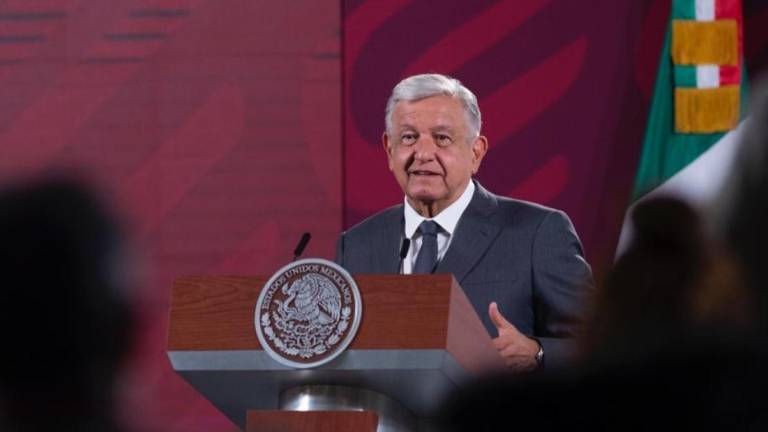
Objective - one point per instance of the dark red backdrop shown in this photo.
(217, 127)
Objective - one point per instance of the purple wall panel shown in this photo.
(214, 126)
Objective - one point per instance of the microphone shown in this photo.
(302, 245)
(404, 246)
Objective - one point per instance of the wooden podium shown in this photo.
(418, 340)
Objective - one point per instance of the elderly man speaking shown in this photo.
(520, 264)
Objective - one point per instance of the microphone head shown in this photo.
(302, 245)
(404, 246)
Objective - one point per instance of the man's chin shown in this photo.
(424, 196)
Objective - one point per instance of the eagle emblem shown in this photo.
(307, 313)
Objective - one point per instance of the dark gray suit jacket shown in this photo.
(524, 256)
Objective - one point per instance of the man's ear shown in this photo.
(386, 141)
(479, 149)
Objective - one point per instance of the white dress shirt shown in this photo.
(446, 219)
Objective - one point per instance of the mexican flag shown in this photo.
(698, 102)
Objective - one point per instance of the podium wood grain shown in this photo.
(417, 312)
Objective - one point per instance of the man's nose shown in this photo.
(425, 148)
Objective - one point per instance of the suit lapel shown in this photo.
(477, 229)
(387, 254)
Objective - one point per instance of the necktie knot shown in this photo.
(428, 227)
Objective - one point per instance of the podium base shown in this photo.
(317, 421)
(393, 417)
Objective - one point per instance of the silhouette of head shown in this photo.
(65, 317)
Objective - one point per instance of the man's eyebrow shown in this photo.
(441, 128)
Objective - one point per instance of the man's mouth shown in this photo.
(423, 173)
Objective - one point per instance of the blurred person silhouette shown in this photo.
(671, 283)
(664, 348)
(670, 331)
(66, 319)
(741, 213)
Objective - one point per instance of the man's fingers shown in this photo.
(511, 351)
(499, 343)
(497, 318)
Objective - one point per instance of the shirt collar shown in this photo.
(447, 219)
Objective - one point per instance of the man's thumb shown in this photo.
(497, 318)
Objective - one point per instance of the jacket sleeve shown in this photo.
(562, 287)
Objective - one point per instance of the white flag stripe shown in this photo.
(707, 76)
(697, 184)
(705, 10)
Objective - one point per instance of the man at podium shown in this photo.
(520, 264)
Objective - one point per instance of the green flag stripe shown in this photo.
(684, 9)
(664, 152)
(685, 76)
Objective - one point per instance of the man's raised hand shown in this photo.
(517, 350)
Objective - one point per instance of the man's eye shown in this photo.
(408, 139)
(443, 140)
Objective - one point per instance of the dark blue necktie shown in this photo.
(427, 258)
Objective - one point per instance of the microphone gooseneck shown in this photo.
(302, 245)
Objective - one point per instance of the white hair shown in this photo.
(417, 87)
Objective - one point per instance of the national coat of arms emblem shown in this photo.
(308, 312)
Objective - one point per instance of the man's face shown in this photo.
(431, 152)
